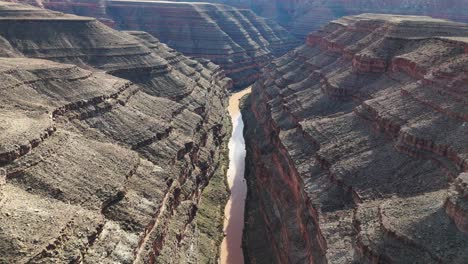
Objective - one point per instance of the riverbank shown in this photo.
(210, 214)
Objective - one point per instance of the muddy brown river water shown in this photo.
(231, 248)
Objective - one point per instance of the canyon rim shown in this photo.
(124, 139)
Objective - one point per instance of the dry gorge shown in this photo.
(114, 131)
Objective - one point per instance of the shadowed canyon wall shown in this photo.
(236, 39)
(112, 145)
(357, 146)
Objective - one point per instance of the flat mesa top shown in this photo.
(401, 18)
(408, 27)
(14, 11)
(28, 64)
(398, 19)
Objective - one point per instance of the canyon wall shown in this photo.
(304, 16)
(236, 39)
(298, 16)
(358, 148)
(112, 145)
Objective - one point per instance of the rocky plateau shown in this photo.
(358, 147)
(112, 144)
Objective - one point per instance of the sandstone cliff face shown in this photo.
(236, 39)
(358, 146)
(111, 145)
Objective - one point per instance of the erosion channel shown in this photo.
(231, 250)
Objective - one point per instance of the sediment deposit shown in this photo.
(111, 145)
(357, 146)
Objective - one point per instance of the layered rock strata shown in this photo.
(91, 8)
(111, 145)
(304, 16)
(236, 39)
(307, 16)
(358, 146)
(298, 16)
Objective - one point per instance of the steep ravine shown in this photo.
(356, 146)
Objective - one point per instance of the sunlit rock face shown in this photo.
(111, 144)
(357, 146)
(238, 40)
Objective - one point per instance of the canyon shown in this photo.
(357, 147)
(236, 39)
(112, 144)
(122, 139)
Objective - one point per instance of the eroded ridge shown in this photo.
(236, 39)
(358, 146)
(111, 145)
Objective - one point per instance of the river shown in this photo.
(231, 248)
